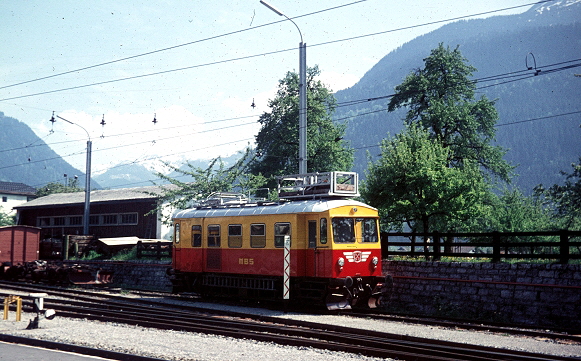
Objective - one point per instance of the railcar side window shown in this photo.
(234, 235)
(368, 230)
(323, 230)
(176, 235)
(281, 230)
(257, 235)
(343, 230)
(214, 235)
(196, 236)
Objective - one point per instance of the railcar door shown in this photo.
(213, 249)
(177, 247)
(315, 253)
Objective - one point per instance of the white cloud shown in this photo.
(338, 81)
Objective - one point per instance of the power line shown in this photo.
(356, 148)
(178, 153)
(515, 74)
(124, 145)
(175, 47)
(244, 57)
(133, 133)
(496, 77)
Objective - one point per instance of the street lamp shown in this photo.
(87, 180)
(302, 94)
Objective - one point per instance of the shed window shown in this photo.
(59, 221)
(128, 218)
(110, 219)
(75, 220)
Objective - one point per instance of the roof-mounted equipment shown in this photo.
(318, 185)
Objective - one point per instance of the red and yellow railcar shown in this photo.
(314, 247)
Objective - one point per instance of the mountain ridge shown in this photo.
(551, 37)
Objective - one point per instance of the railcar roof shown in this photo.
(308, 206)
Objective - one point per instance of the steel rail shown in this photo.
(328, 337)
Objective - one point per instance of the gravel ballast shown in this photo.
(176, 345)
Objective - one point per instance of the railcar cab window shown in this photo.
(257, 235)
(214, 235)
(368, 229)
(196, 236)
(234, 235)
(281, 230)
(176, 235)
(343, 230)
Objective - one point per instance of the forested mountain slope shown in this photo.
(497, 46)
(25, 158)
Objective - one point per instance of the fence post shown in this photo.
(495, 247)
(564, 246)
(437, 250)
(158, 249)
(384, 240)
(139, 249)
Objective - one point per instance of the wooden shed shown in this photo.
(19, 244)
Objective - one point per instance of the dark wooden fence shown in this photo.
(561, 246)
(156, 250)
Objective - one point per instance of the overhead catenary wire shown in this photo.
(496, 77)
(521, 73)
(175, 46)
(243, 57)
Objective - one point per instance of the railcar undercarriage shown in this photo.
(334, 294)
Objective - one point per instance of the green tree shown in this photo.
(201, 182)
(565, 199)
(440, 98)
(55, 187)
(6, 219)
(411, 183)
(515, 212)
(277, 143)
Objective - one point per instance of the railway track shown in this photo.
(108, 308)
(556, 335)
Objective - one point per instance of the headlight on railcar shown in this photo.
(341, 262)
(375, 261)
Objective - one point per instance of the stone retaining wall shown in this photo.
(544, 295)
(142, 274)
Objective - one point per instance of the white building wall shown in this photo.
(9, 201)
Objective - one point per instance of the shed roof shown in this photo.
(17, 188)
(110, 195)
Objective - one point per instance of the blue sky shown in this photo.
(236, 52)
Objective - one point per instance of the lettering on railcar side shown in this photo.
(246, 261)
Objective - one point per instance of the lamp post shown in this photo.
(302, 94)
(87, 211)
